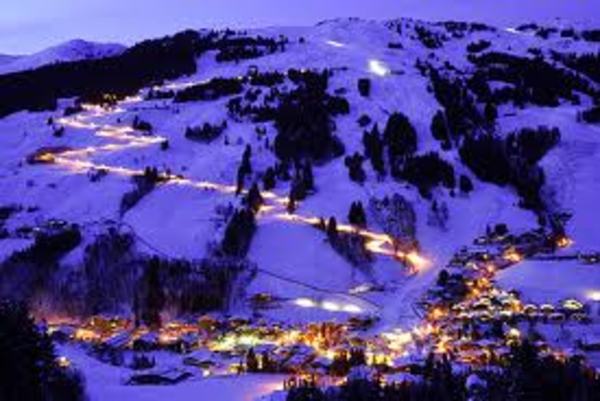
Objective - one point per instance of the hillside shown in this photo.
(474, 127)
(73, 50)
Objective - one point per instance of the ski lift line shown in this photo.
(260, 270)
(315, 288)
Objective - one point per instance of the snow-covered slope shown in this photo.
(72, 50)
(296, 265)
(181, 220)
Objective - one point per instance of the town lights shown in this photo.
(512, 255)
(564, 242)
(63, 362)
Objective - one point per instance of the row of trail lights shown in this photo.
(78, 161)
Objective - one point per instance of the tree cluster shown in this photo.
(245, 47)
(587, 64)
(354, 164)
(429, 39)
(400, 137)
(144, 184)
(428, 171)
(304, 119)
(28, 362)
(512, 160)
(26, 271)
(141, 125)
(205, 133)
(211, 90)
(479, 46)
(364, 87)
(239, 233)
(591, 115)
(532, 80)
(356, 215)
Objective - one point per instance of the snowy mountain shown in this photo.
(73, 50)
(382, 153)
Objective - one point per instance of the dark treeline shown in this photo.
(479, 46)
(144, 184)
(28, 362)
(205, 133)
(115, 278)
(105, 81)
(591, 115)
(532, 80)
(503, 161)
(267, 78)
(183, 286)
(149, 62)
(212, 90)
(460, 116)
(239, 233)
(400, 140)
(427, 172)
(429, 39)
(458, 29)
(591, 35)
(303, 116)
(26, 271)
(511, 160)
(304, 119)
(243, 48)
(587, 64)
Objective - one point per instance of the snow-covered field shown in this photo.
(552, 281)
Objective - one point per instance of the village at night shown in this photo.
(337, 202)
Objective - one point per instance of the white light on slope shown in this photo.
(335, 43)
(305, 303)
(352, 308)
(378, 67)
(594, 295)
(330, 306)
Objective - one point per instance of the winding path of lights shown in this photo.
(77, 161)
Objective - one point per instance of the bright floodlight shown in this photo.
(378, 68)
(305, 303)
(335, 43)
(330, 306)
(594, 295)
(352, 308)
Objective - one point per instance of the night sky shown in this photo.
(30, 25)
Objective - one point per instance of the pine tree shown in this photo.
(465, 184)
(27, 361)
(291, 204)
(240, 181)
(251, 361)
(332, 228)
(356, 215)
(254, 199)
(490, 113)
(439, 129)
(307, 176)
(269, 179)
